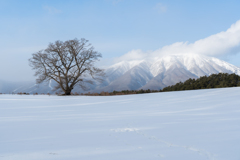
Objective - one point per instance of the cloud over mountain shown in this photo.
(223, 43)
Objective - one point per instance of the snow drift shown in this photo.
(199, 125)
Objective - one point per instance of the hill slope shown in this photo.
(190, 125)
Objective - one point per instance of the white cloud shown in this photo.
(160, 8)
(220, 44)
(52, 10)
(133, 55)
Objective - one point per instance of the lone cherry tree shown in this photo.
(68, 63)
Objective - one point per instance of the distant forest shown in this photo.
(220, 80)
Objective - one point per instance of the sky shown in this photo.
(119, 29)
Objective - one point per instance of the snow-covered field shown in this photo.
(187, 125)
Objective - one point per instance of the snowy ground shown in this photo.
(187, 125)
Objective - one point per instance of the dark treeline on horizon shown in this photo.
(221, 80)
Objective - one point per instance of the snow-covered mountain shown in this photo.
(151, 74)
(162, 72)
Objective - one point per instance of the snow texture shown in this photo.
(186, 125)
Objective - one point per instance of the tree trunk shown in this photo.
(68, 92)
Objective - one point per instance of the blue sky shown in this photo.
(114, 27)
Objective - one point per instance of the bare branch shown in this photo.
(69, 63)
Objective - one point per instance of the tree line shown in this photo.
(220, 80)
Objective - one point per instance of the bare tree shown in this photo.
(69, 63)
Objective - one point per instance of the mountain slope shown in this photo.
(135, 77)
(166, 71)
(152, 74)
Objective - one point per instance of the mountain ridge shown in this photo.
(155, 73)
(171, 69)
